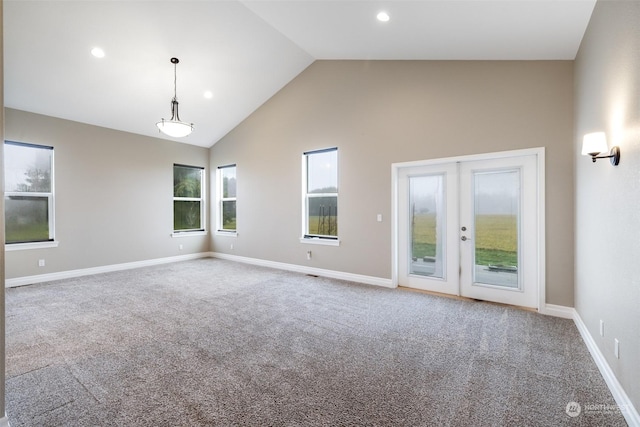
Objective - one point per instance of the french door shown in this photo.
(470, 228)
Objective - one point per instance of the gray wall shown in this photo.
(382, 112)
(607, 271)
(113, 195)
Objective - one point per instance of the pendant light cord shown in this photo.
(175, 78)
(174, 101)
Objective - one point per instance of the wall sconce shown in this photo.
(596, 143)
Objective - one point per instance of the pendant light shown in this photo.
(174, 127)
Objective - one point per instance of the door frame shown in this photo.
(539, 152)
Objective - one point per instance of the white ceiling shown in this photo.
(244, 51)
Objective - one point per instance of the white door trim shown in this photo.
(539, 152)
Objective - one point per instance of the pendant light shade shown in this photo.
(174, 127)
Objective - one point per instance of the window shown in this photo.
(28, 193)
(188, 203)
(227, 195)
(320, 169)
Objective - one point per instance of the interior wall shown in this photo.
(381, 112)
(113, 195)
(607, 224)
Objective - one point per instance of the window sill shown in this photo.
(188, 233)
(226, 233)
(319, 241)
(32, 245)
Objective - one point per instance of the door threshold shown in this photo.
(461, 298)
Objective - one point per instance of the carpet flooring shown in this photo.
(216, 343)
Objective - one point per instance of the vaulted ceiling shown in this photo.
(244, 51)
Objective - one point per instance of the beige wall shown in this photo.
(113, 195)
(382, 112)
(607, 269)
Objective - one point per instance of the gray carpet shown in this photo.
(212, 342)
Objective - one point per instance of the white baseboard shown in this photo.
(624, 403)
(558, 311)
(29, 280)
(369, 280)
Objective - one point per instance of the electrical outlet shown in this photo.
(308, 254)
(601, 327)
(379, 218)
(231, 246)
(180, 247)
(40, 263)
(616, 348)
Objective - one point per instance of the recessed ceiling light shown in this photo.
(383, 16)
(97, 52)
(208, 94)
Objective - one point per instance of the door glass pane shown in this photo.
(427, 219)
(497, 221)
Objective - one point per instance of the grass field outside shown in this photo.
(496, 238)
(328, 227)
(229, 225)
(17, 233)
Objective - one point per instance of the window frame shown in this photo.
(221, 200)
(202, 230)
(50, 196)
(318, 239)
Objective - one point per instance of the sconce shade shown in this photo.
(594, 144)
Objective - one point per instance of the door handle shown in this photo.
(464, 238)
